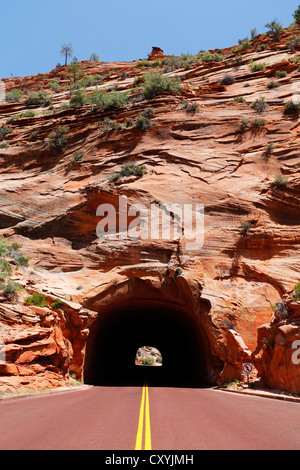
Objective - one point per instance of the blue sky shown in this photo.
(32, 31)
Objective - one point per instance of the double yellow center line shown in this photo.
(144, 417)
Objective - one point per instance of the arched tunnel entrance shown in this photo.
(123, 327)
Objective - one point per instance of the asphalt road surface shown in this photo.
(149, 418)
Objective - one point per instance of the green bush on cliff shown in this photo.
(228, 79)
(274, 30)
(4, 131)
(58, 138)
(217, 56)
(39, 300)
(129, 169)
(77, 99)
(280, 181)
(143, 121)
(296, 14)
(292, 108)
(147, 361)
(259, 105)
(258, 66)
(10, 288)
(12, 251)
(296, 295)
(57, 304)
(101, 99)
(156, 82)
(22, 115)
(39, 98)
(14, 95)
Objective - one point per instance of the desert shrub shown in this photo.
(77, 156)
(186, 60)
(64, 106)
(6, 269)
(280, 181)
(39, 98)
(91, 80)
(34, 135)
(57, 304)
(269, 148)
(245, 227)
(293, 43)
(239, 99)
(243, 45)
(257, 123)
(24, 114)
(273, 84)
(13, 251)
(58, 138)
(129, 122)
(4, 131)
(296, 14)
(149, 63)
(110, 124)
(228, 79)
(261, 48)
(10, 288)
(143, 121)
(296, 295)
(292, 108)
(3, 247)
(147, 361)
(129, 169)
(77, 99)
(14, 96)
(177, 272)
(211, 56)
(190, 107)
(253, 33)
(39, 300)
(281, 73)
(94, 57)
(5, 144)
(244, 124)
(259, 105)
(274, 30)
(258, 66)
(172, 63)
(156, 82)
(87, 81)
(103, 100)
(75, 70)
(54, 84)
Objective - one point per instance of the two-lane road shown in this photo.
(153, 418)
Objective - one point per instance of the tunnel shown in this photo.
(122, 328)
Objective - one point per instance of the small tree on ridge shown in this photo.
(66, 51)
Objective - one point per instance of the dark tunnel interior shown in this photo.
(118, 332)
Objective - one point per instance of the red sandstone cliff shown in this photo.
(204, 145)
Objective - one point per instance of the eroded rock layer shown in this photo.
(206, 145)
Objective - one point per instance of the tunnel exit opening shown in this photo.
(121, 328)
(148, 356)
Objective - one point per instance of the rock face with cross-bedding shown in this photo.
(215, 153)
